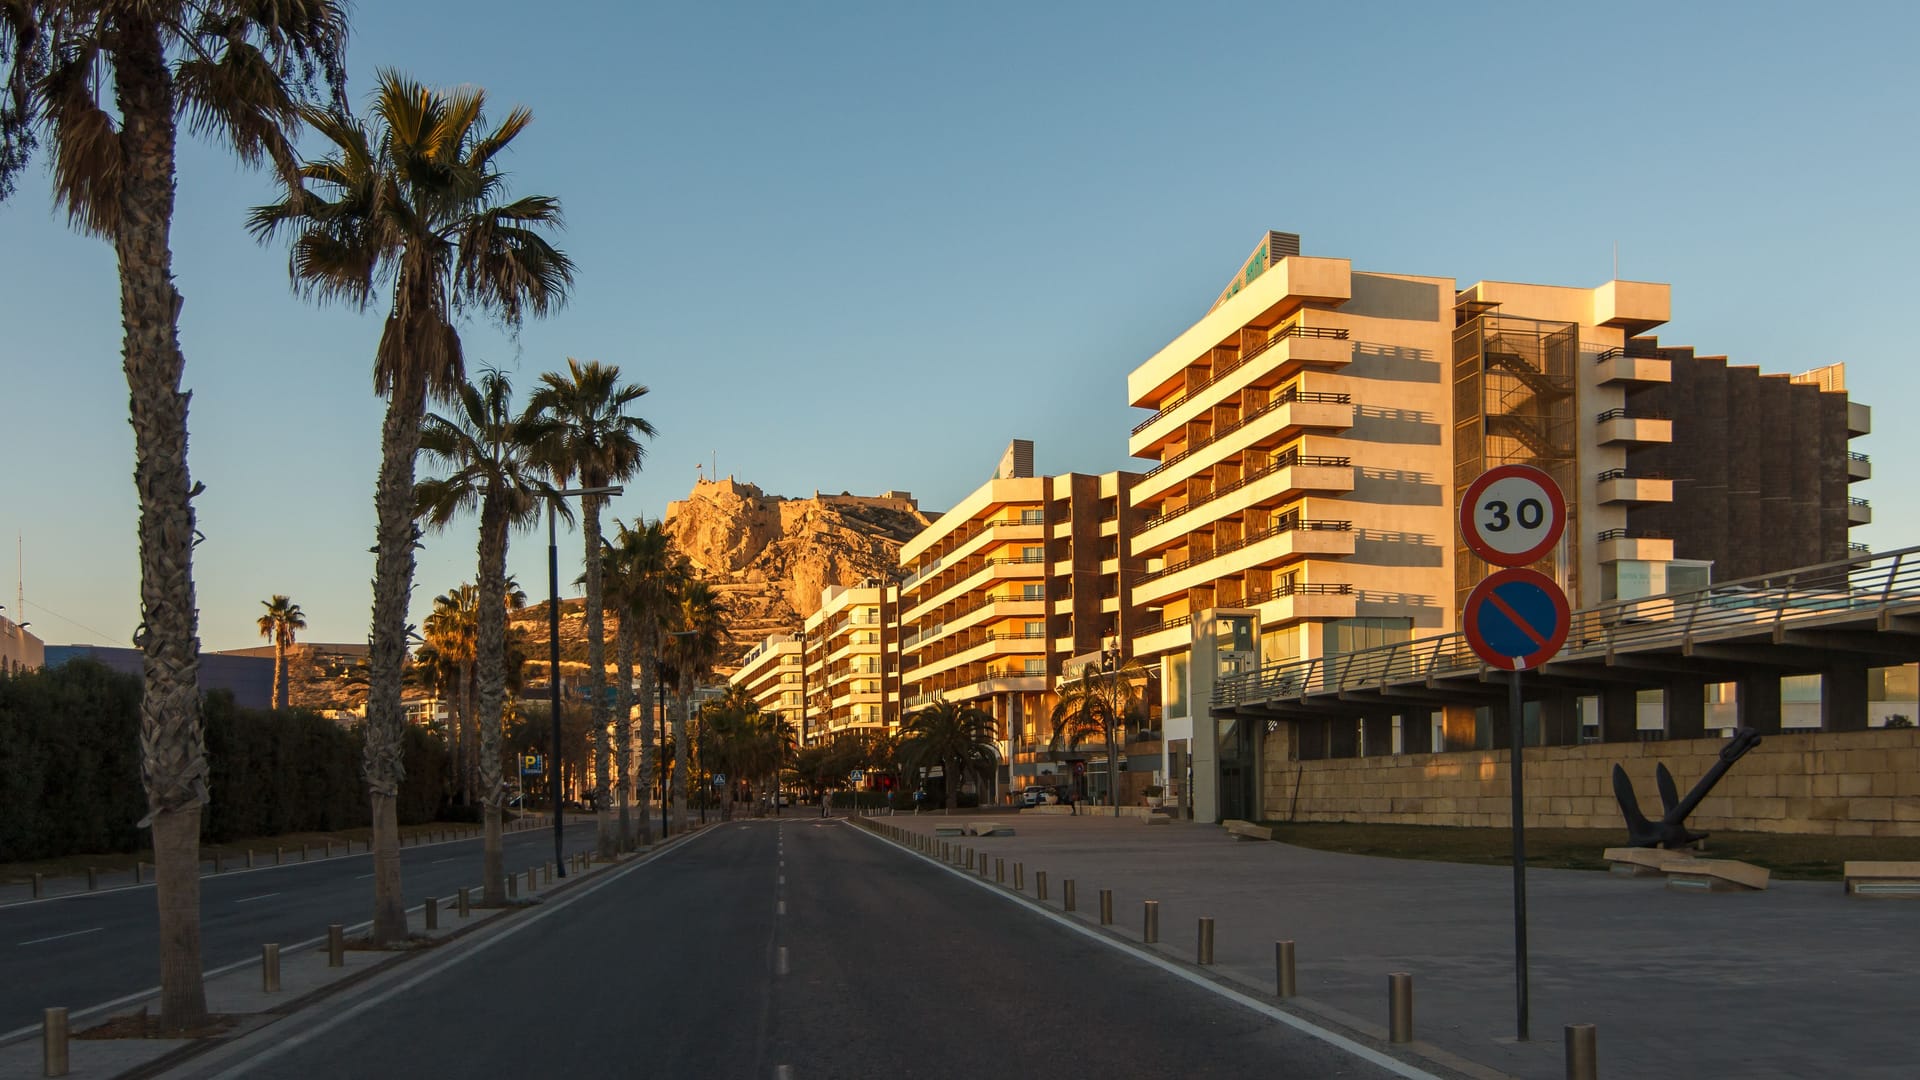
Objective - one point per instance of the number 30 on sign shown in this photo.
(1512, 515)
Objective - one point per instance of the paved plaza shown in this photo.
(1796, 981)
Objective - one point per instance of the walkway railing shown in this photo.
(1767, 602)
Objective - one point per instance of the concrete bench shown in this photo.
(1900, 879)
(1157, 819)
(989, 828)
(1683, 871)
(1247, 830)
(949, 830)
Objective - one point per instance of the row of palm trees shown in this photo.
(408, 209)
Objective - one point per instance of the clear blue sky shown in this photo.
(861, 246)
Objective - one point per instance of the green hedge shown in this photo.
(70, 768)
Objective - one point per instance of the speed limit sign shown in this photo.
(1512, 515)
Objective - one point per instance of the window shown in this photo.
(1035, 667)
(1033, 554)
(1033, 592)
(1033, 517)
(1348, 635)
(1036, 629)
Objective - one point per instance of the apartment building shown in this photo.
(1023, 578)
(848, 650)
(771, 675)
(1313, 432)
(19, 649)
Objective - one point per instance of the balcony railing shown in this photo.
(1279, 401)
(1861, 503)
(1285, 525)
(1153, 624)
(1221, 371)
(1622, 474)
(1623, 534)
(1855, 455)
(1622, 414)
(1282, 461)
(1638, 352)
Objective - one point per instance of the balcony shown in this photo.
(1293, 348)
(1615, 545)
(979, 575)
(1617, 487)
(1859, 419)
(1287, 476)
(1859, 466)
(1620, 426)
(1619, 366)
(1859, 512)
(1289, 541)
(992, 607)
(1285, 417)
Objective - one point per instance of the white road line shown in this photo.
(449, 858)
(363, 877)
(57, 937)
(1363, 1052)
(251, 899)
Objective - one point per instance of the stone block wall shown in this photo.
(1849, 783)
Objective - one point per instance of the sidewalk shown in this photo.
(304, 976)
(1793, 982)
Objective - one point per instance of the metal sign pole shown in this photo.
(1517, 725)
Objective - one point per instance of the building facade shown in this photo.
(19, 650)
(848, 651)
(770, 674)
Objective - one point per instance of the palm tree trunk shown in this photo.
(649, 693)
(279, 672)
(606, 843)
(173, 763)
(680, 753)
(623, 726)
(953, 784)
(387, 652)
(490, 662)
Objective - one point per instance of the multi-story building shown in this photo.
(1315, 430)
(1025, 575)
(848, 650)
(771, 675)
(19, 650)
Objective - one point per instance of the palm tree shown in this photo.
(105, 85)
(411, 205)
(650, 574)
(1098, 700)
(282, 619)
(487, 452)
(958, 738)
(598, 441)
(699, 630)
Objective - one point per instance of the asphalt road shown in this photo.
(86, 949)
(895, 968)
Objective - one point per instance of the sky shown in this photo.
(861, 246)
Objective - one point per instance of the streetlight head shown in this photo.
(611, 489)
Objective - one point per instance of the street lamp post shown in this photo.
(665, 763)
(666, 769)
(553, 663)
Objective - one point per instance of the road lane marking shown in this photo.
(1127, 948)
(68, 934)
(363, 877)
(449, 858)
(781, 909)
(251, 899)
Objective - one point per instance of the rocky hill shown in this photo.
(769, 556)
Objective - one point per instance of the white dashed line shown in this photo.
(68, 934)
(251, 899)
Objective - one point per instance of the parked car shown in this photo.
(1033, 795)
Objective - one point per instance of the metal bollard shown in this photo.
(39, 884)
(336, 945)
(432, 912)
(546, 872)
(303, 851)
(1400, 1007)
(139, 873)
(1204, 951)
(1040, 883)
(999, 870)
(1151, 932)
(1066, 894)
(464, 902)
(1020, 877)
(1106, 907)
(513, 887)
(250, 858)
(969, 858)
(270, 968)
(93, 879)
(1283, 969)
(53, 1042)
(1583, 1052)
(279, 855)
(218, 862)
(530, 885)
(780, 962)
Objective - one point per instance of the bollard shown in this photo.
(530, 885)
(303, 851)
(1151, 932)
(1020, 877)
(249, 858)
(432, 912)
(1106, 907)
(1400, 1007)
(217, 860)
(53, 1042)
(1040, 883)
(1066, 895)
(279, 854)
(1204, 951)
(1583, 1052)
(39, 883)
(969, 858)
(93, 879)
(999, 870)
(139, 873)
(513, 887)
(270, 968)
(781, 963)
(1283, 969)
(336, 945)
(546, 872)
(463, 901)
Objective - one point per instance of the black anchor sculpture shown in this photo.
(1671, 830)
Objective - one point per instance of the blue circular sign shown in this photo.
(1516, 619)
